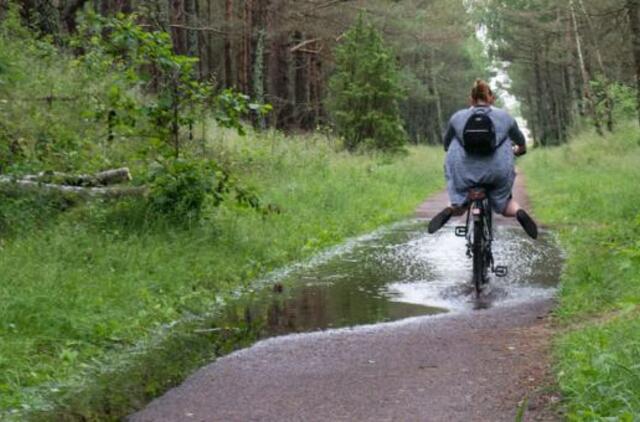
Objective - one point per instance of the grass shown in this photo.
(589, 192)
(87, 286)
(88, 290)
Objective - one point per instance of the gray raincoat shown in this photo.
(496, 171)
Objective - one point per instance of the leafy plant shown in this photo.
(146, 64)
(179, 188)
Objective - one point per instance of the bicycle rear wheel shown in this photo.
(479, 262)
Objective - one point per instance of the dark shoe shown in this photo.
(527, 223)
(440, 220)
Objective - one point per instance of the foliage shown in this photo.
(440, 57)
(144, 58)
(567, 60)
(365, 91)
(179, 189)
(100, 286)
(124, 98)
(37, 81)
(623, 98)
(588, 191)
(599, 371)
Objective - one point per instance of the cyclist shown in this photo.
(493, 170)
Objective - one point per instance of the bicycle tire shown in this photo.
(486, 249)
(479, 266)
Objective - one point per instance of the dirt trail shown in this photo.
(474, 366)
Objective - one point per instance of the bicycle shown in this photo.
(480, 238)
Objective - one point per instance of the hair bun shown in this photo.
(481, 91)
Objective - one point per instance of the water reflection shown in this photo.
(400, 274)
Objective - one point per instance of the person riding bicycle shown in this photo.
(481, 142)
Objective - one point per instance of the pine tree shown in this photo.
(365, 90)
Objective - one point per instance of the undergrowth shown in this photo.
(96, 279)
(588, 192)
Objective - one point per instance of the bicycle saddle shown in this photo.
(477, 194)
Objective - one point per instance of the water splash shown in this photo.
(399, 273)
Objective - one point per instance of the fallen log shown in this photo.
(103, 178)
(113, 192)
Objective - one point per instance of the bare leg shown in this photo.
(511, 209)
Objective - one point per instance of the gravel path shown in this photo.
(474, 366)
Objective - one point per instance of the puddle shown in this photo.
(403, 272)
(389, 275)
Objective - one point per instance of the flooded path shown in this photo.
(394, 332)
(397, 273)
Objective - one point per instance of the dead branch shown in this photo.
(303, 44)
(83, 192)
(103, 178)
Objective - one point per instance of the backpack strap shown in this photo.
(504, 139)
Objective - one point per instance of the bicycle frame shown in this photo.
(478, 232)
(482, 217)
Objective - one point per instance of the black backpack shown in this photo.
(479, 134)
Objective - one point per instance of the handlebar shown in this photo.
(522, 151)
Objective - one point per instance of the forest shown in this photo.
(570, 61)
(158, 157)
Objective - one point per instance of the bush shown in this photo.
(179, 189)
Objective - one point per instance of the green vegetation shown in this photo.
(97, 279)
(89, 287)
(588, 191)
(89, 284)
(566, 60)
(365, 91)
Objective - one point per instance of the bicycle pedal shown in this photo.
(461, 231)
(501, 271)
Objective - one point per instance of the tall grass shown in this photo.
(589, 192)
(96, 279)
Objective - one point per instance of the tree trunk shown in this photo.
(540, 106)
(533, 125)
(633, 10)
(176, 17)
(300, 83)
(606, 96)
(436, 93)
(586, 79)
(228, 50)
(316, 84)
(210, 41)
(245, 83)
(554, 115)
(201, 39)
(191, 22)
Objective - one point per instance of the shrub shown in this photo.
(179, 189)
